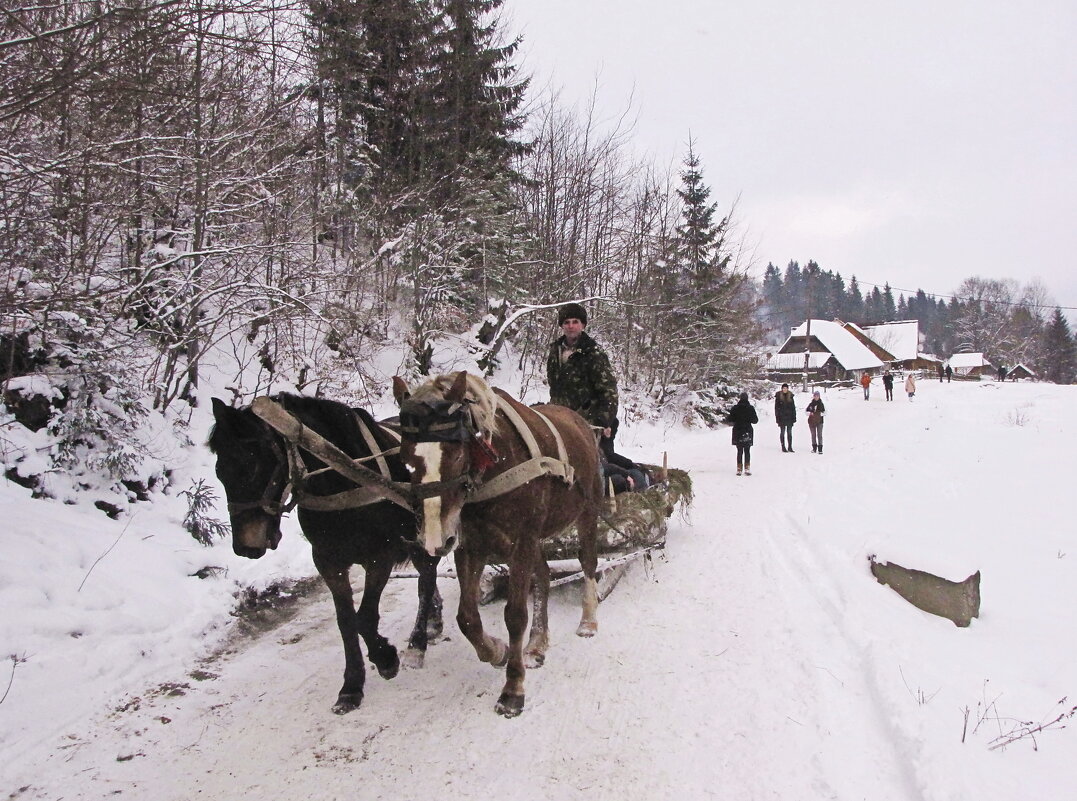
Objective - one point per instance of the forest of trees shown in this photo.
(1010, 323)
(305, 183)
(310, 181)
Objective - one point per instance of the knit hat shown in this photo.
(571, 310)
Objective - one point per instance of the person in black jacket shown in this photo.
(742, 416)
(815, 411)
(785, 414)
(888, 385)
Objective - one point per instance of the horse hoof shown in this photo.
(534, 659)
(589, 628)
(413, 659)
(509, 706)
(433, 631)
(388, 668)
(347, 703)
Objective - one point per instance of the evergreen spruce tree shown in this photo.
(854, 308)
(708, 319)
(1059, 361)
(887, 308)
(475, 95)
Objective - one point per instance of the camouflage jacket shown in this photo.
(585, 382)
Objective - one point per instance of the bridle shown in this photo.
(282, 483)
(447, 421)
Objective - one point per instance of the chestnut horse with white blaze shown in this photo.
(495, 478)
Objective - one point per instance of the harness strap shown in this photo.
(561, 467)
(519, 475)
(349, 499)
(375, 448)
(537, 466)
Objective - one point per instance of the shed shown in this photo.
(1019, 371)
(971, 365)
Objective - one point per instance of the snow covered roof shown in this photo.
(901, 338)
(795, 361)
(850, 352)
(968, 360)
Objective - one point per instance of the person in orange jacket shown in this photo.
(865, 382)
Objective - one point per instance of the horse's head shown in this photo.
(446, 427)
(253, 467)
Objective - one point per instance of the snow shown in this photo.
(901, 338)
(757, 658)
(847, 349)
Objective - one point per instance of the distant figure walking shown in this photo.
(888, 385)
(865, 382)
(743, 416)
(815, 411)
(949, 373)
(940, 372)
(785, 414)
(1001, 373)
(910, 385)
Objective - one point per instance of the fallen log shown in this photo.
(958, 601)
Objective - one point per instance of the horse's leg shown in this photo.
(381, 652)
(428, 616)
(469, 570)
(521, 565)
(337, 580)
(539, 641)
(587, 526)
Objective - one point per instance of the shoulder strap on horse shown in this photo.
(535, 467)
(375, 448)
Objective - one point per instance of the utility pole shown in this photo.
(807, 333)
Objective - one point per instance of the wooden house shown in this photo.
(834, 354)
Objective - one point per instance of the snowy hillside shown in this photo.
(757, 658)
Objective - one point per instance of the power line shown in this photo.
(913, 292)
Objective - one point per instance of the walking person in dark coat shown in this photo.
(888, 385)
(785, 414)
(949, 373)
(815, 411)
(743, 416)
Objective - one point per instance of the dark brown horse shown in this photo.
(258, 468)
(496, 478)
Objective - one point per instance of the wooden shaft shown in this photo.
(294, 431)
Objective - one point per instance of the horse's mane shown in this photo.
(479, 394)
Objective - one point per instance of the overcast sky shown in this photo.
(917, 143)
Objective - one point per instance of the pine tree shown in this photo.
(707, 311)
(854, 309)
(1059, 351)
(887, 308)
(475, 96)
